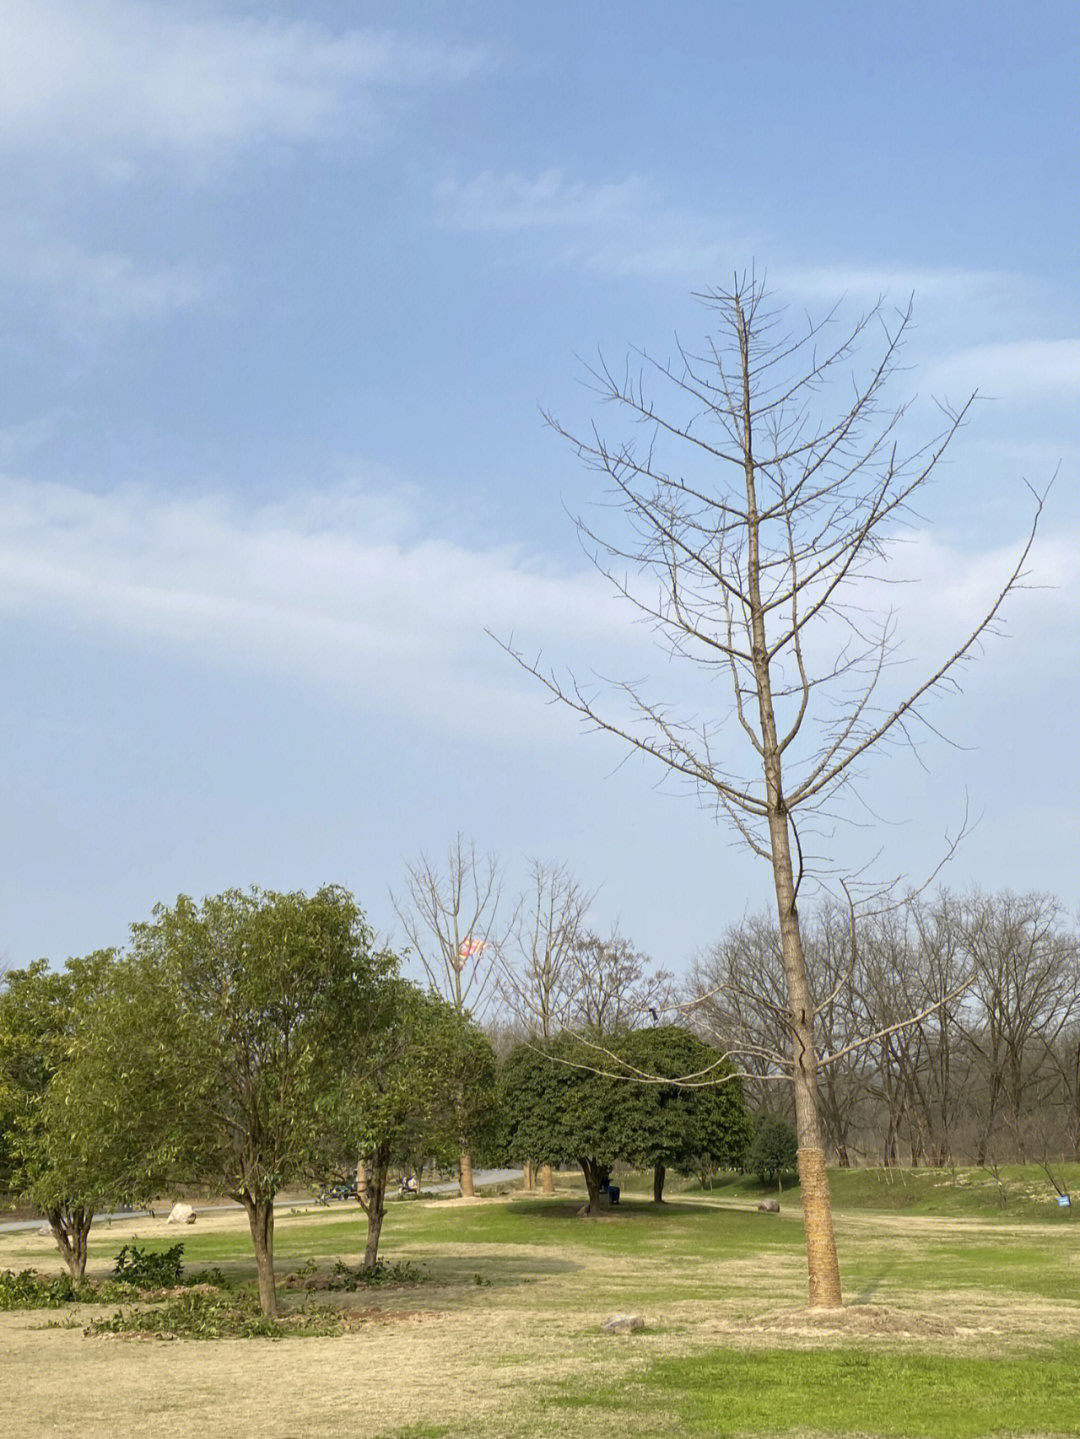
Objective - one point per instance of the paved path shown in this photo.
(481, 1177)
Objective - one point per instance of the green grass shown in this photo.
(708, 1226)
(1023, 1194)
(842, 1391)
(718, 1284)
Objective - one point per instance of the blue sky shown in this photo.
(283, 288)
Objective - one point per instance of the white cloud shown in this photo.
(514, 202)
(325, 590)
(120, 79)
(84, 290)
(825, 283)
(619, 227)
(330, 589)
(1019, 370)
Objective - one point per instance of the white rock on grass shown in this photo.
(622, 1324)
(181, 1214)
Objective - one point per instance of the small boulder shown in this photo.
(622, 1324)
(45, 1232)
(181, 1214)
(769, 1206)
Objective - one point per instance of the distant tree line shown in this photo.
(975, 1000)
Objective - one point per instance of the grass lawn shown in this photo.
(960, 1322)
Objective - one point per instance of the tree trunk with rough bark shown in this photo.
(822, 1262)
(594, 1182)
(547, 1179)
(658, 1183)
(465, 1177)
(529, 1176)
(375, 1209)
(260, 1213)
(70, 1226)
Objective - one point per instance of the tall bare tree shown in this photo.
(449, 913)
(750, 551)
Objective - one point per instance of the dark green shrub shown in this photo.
(145, 1269)
(773, 1150)
(30, 1290)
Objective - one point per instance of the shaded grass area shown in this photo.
(840, 1391)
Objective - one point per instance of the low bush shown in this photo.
(30, 1290)
(145, 1269)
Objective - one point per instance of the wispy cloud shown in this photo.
(122, 79)
(81, 292)
(324, 588)
(622, 227)
(342, 590)
(515, 202)
(1018, 370)
(824, 283)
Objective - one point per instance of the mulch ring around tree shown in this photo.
(857, 1321)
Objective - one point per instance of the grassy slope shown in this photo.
(1019, 1192)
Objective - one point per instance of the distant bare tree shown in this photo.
(538, 976)
(615, 989)
(754, 529)
(736, 997)
(1025, 993)
(449, 913)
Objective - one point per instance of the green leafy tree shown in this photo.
(224, 1040)
(46, 1160)
(424, 1084)
(689, 1126)
(556, 1106)
(773, 1151)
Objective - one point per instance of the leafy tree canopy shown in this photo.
(698, 1123)
(41, 1156)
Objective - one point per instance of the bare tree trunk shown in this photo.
(361, 1182)
(547, 1179)
(822, 1263)
(71, 1228)
(658, 1184)
(465, 1177)
(260, 1213)
(529, 1176)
